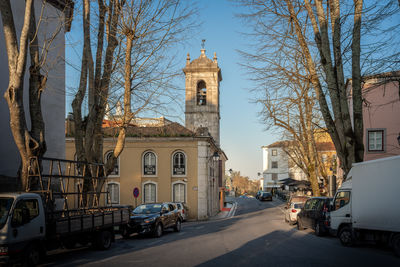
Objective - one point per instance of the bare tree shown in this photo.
(30, 142)
(135, 69)
(328, 34)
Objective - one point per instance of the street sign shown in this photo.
(135, 192)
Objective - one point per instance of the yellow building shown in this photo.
(167, 161)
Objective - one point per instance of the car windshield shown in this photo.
(266, 194)
(147, 209)
(298, 205)
(5, 205)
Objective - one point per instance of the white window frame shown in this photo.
(172, 164)
(276, 152)
(172, 190)
(119, 194)
(119, 166)
(370, 130)
(149, 175)
(143, 185)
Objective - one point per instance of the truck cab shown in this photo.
(22, 224)
(340, 215)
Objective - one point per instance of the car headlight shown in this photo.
(149, 220)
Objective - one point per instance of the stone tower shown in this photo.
(202, 94)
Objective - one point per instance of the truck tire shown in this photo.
(32, 256)
(178, 225)
(125, 232)
(396, 244)
(158, 231)
(345, 236)
(103, 240)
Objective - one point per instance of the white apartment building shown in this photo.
(276, 166)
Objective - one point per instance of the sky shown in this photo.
(241, 133)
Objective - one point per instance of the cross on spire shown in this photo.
(203, 43)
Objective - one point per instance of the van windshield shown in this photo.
(5, 205)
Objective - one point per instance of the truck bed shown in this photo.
(63, 224)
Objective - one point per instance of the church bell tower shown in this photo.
(202, 94)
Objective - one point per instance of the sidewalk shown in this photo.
(227, 211)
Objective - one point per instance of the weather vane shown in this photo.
(203, 43)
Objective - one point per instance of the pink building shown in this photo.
(381, 115)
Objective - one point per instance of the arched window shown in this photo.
(149, 163)
(149, 192)
(179, 163)
(113, 193)
(201, 93)
(179, 192)
(107, 157)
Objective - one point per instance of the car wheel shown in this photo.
(318, 230)
(345, 236)
(103, 240)
(158, 231)
(177, 227)
(396, 244)
(299, 225)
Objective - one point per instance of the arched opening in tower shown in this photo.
(201, 93)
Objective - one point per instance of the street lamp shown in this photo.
(215, 157)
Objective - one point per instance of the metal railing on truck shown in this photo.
(68, 186)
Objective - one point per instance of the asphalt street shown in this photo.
(256, 235)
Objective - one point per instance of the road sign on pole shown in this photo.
(135, 195)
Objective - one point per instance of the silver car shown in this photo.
(291, 212)
(182, 209)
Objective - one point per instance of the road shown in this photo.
(256, 235)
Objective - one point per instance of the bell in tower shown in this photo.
(203, 77)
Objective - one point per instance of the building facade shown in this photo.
(167, 161)
(381, 109)
(55, 13)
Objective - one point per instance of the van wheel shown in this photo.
(318, 230)
(178, 225)
(158, 231)
(103, 240)
(396, 244)
(345, 236)
(32, 256)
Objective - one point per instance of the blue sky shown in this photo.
(242, 134)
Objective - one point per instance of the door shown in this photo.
(305, 212)
(27, 221)
(165, 216)
(342, 209)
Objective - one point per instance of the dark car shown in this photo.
(265, 196)
(153, 219)
(315, 215)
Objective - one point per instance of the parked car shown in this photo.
(315, 215)
(265, 196)
(292, 211)
(182, 209)
(296, 199)
(153, 219)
